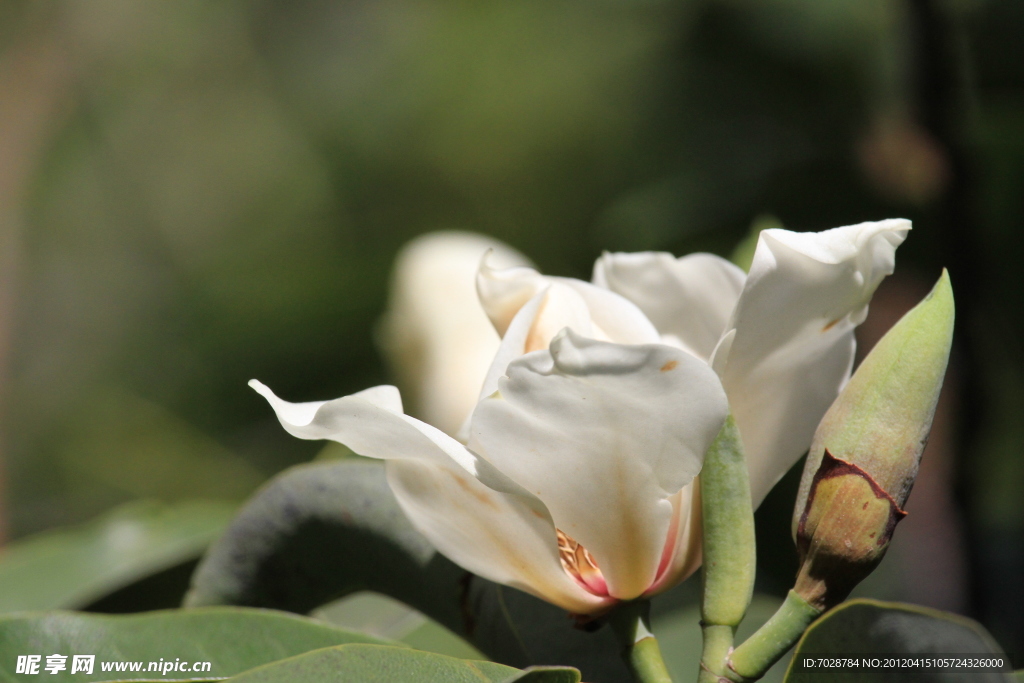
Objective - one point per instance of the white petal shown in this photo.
(588, 310)
(437, 339)
(503, 537)
(618, 319)
(604, 434)
(720, 356)
(549, 312)
(491, 534)
(684, 554)
(690, 298)
(793, 345)
(371, 424)
(503, 292)
(528, 309)
(384, 396)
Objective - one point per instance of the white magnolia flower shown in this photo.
(573, 479)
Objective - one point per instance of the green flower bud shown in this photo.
(866, 452)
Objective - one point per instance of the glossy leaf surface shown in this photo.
(872, 627)
(231, 639)
(73, 567)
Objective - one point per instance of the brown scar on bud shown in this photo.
(830, 325)
(841, 540)
(832, 467)
(671, 365)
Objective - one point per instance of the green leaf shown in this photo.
(385, 617)
(372, 613)
(433, 637)
(377, 664)
(232, 639)
(319, 532)
(875, 627)
(73, 567)
(546, 674)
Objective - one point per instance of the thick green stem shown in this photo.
(647, 663)
(717, 643)
(631, 623)
(754, 657)
(729, 551)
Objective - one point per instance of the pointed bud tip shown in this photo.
(942, 295)
(926, 331)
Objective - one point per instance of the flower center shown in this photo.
(580, 564)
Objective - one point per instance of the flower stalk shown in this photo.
(729, 548)
(631, 623)
(758, 653)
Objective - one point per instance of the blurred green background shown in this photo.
(193, 194)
